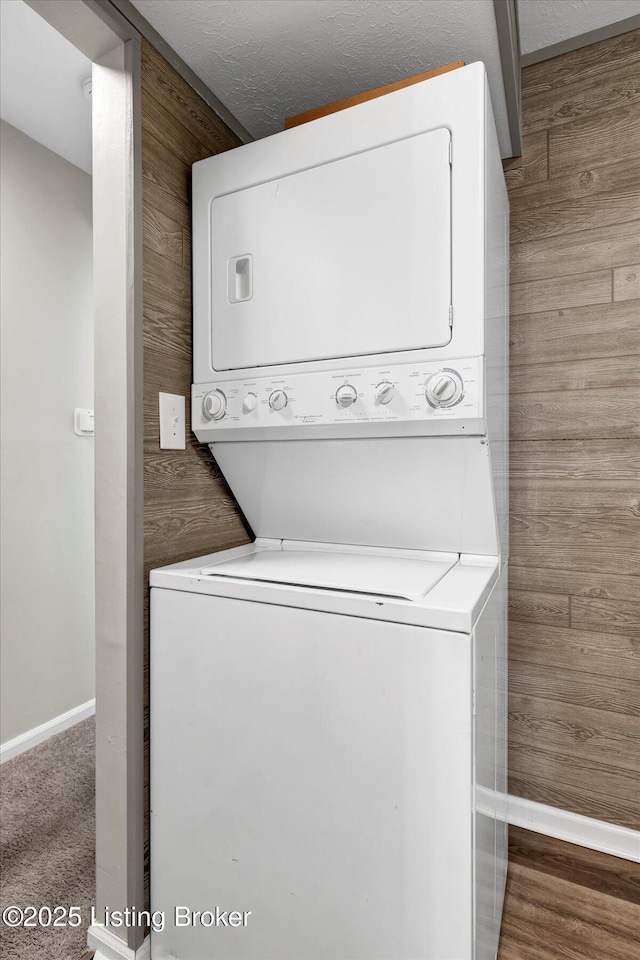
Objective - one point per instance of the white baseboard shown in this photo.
(574, 828)
(110, 947)
(33, 737)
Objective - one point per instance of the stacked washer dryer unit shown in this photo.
(328, 703)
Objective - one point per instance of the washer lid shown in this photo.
(382, 576)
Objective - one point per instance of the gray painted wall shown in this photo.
(47, 648)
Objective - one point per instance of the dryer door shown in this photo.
(350, 258)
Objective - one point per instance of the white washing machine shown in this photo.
(328, 703)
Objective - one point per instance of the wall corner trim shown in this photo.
(506, 14)
(31, 738)
(574, 828)
(110, 947)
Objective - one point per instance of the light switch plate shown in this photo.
(172, 420)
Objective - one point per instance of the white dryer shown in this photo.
(328, 704)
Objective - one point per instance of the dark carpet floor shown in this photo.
(47, 842)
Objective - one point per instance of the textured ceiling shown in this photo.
(41, 77)
(269, 59)
(545, 22)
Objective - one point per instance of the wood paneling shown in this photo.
(560, 292)
(532, 165)
(577, 333)
(610, 655)
(567, 901)
(626, 283)
(188, 509)
(539, 607)
(570, 254)
(575, 457)
(594, 140)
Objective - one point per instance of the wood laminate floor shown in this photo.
(565, 902)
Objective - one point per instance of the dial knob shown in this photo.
(442, 389)
(249, 403)
(214, 405)
(346, 395)
(278, 400)
(384, 392)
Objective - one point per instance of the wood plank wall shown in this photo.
(188, 509)
(575, 425)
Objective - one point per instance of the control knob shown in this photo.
(443, 389)
(214, 405)
(384, 392)
(346, 395)
(249, 403)
(278, 400)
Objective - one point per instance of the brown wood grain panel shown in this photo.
(557, 293)
(344, 104)
(528, 605)
(576, 687)
(615, 372)
(174, 527)
(563, 198)
(582, 252)
(595, 140)
(576, 459)
(184, 105)
(626, 283)
(597, 736)
(610, 616)
(604, 90)
(169, 281)
(531, 167)
(578, 333)
(597, 871)
(172, 205)
(180, 139)
(575, 414)
(582, 64)
(560, 774)
(588, 796)
(162, 234)
(575, 215)
(607, 655)
(582, 543)
(576, 583)
(168, 173)
(604, 499)
(574, 455)
(547, 918)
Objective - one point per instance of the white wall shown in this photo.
(47, 647)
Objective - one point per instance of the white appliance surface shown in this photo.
(431, 493)
(328, 703)
(351, 572)
(453, 601)
(341, 260)
(314, 770)
(361, 301)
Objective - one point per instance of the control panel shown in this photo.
(402, 392)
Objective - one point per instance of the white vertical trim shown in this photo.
(574, 828)
(110, 947)
(117, 248)
(25, 741)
